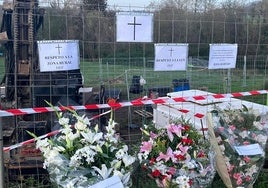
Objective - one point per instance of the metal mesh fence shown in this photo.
(112, 70)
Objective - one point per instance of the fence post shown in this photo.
(245, 72)
(1, 155)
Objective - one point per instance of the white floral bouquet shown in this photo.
(81, 156)
(240, 136)
(177, 155)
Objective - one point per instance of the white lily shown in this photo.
(64, 121)
(128, 160)
(125, 179)
(92, 137)
(104, 171)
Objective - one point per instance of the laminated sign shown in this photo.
(57, 55)
(134, 27)
(170, 57)
(222, 56)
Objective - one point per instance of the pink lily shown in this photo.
(176, 129)
(167, 156)
(183, 149)
(153, 135)
(146, 147)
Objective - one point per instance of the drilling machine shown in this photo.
(25, 85)
(20, 23)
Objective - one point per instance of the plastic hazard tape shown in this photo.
(5, 149)
(138, 102)
(114, 105)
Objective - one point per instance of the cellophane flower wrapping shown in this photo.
(235, 129)
(177, 155)
(81, 155)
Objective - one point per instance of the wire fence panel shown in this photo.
(118, 71)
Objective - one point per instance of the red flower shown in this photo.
(163, 177)
(190, 182)
(201, 154)
(180, 157)
(187, 141)
(152, 161)
(248, 178)
(187, 127)
(246, 159)
(156, 173)
(144, 167)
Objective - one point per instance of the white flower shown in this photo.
(70, 156)
(118, 173)
(43, 144)
(119, 154)
(116, 164)
(258, 125)
(92, 137)
(191, 164)
(182, 181)
(64, 121)
(261, 138)
(53, 158)
(125, 179)
(128, 160)
(104, 171)
(72, 136)
(85, 153)
(83, 119)
(243, 134)
(252, 170)
(125, 148)
(81, 126)
(110, 128)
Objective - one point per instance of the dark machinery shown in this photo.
(25, 85)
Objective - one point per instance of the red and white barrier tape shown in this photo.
(185, 111)
(138, 102)
(5, 149)
(141, 102)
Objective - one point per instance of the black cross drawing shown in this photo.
(171, 51)
(134, 25)
(58, 48)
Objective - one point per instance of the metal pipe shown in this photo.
(1, 155)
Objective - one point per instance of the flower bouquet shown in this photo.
(81, 156)
(240, 137)
(177, 155)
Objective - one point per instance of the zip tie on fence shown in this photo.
(5, 149)
(138, 102)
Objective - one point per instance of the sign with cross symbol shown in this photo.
(171, 57)
(134, 27)
(58, 55)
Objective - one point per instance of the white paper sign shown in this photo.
(252, 149)
(113, 182)
(134, 27)
(222, 56)
(170, 57)
(58, 55)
